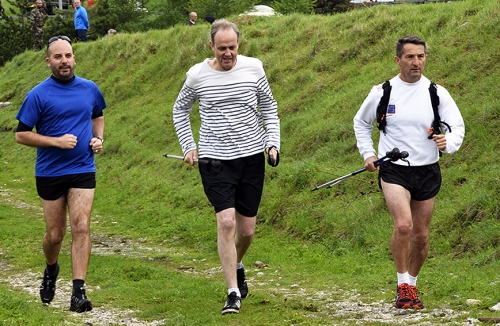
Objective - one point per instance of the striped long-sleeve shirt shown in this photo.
(239, 115)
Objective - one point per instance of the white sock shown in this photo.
(403, 278)
(239, 265)
(412, 280)
(234, 290)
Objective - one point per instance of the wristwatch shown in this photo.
(102, 140)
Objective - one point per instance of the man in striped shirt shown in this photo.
(239, 122)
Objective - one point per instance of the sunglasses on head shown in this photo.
(58, 37)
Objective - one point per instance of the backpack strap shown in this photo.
(436, 124)
(382, 106)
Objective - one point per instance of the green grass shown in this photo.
(334, 241)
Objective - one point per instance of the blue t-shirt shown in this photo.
(56, 109)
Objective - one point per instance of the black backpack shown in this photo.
(384, 103)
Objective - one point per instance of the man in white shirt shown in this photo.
(409, 191)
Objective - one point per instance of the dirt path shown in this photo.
(352, 311)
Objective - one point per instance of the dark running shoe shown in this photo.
(80, 302)
(233, 304)
(417, 304)
(48, 287)
(242, 283)
(403, 297)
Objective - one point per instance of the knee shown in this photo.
(226, 224)
(55, 236)
(247, 234)
(80, 228)
(403, 229)
(420, 239)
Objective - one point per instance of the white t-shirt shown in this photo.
(408, 122)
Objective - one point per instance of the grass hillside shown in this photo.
(320, 69)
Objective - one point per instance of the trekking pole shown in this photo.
(390, 156)
(213, 166)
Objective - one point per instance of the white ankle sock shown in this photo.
(403, 278)
(412, 280)
(234, 290)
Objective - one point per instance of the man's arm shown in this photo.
(98, 127)
(182, 108)
(449, 113)
(97, 134)
(363, 123)
(33, 139)
(269, 109)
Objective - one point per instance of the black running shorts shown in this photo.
(52, 188)
(238, 185)
(423, 182)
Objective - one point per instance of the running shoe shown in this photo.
(403, 297)
(80, 302)
(417, 304)
(242, 283)
(48, 287)
(233, 304)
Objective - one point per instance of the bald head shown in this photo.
(60, 59)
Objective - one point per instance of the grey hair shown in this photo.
(222, 25)
(413, 39)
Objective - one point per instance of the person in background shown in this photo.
(81, 21)
(90, 4)
(67, 112)
(37, 20)
(192, 19)
(239, 123)
(409, 191)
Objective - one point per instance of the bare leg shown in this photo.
(226, 226)
(80, 205)
(55, 222)
(398, 203)
(412, 218)
(245, 230)
(422, 214)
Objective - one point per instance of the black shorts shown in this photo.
(239, 184)
(423, 182)
(52, 188)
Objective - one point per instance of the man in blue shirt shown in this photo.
(66, 111)
(81, 20)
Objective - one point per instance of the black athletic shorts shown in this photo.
(52, 188)
(423, 182)
(239, 184)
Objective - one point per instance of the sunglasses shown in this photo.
(58, 37)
